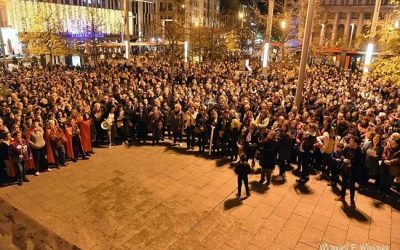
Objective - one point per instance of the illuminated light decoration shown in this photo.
(126, 49)
(368, 57)
(265, 55)
(397, 24)
(74, 19)
(186, 49)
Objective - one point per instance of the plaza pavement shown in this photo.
(161, 197)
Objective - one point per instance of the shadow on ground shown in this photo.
(301, 188)
(231, 203)
(355, 214)
(258, 188)
(20, 231)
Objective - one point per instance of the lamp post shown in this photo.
(3, 48)
(304, 54)
(126, 28)
(268, 31)
(370, 47)
(283, 27)
(241, 17)
(351, 34)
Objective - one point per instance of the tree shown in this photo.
(45, 34)
(174, 32)
(288, 22)
(209, 42)
(94, 27)
(386, 67)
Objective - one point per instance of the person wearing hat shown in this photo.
(352, 163)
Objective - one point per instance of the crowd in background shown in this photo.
(345, 128)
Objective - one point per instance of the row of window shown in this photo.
(170, 6)
(366, 16)
(352, 2)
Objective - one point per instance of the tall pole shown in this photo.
(372, 33)
(304, 54)
(351, 34)
(3, 48)
(126, 28)
(268, 32)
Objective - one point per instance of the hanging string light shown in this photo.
(23, 13)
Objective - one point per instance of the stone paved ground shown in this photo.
(159, 197)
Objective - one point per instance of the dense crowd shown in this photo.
(346, 127)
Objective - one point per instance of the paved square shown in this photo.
(149, 197)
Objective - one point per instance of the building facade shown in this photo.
(76, 15)
(346, 23)
(195, 12)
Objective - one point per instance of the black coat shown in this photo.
(285, 147)
(268, 154)
(242, 169)
(356, 161)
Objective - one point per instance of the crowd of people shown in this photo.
(345, 128)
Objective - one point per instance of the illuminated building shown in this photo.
(344, 22)
(75, 16)
(195, 12)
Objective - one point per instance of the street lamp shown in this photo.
(397, 24)
(265, 55)
(368, 57)
(241, 17)
(186, 49)
(351, 34)
(283, 24)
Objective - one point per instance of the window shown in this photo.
(170, 6)
(367, 16)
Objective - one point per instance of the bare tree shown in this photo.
(45, 34)
(94, 28)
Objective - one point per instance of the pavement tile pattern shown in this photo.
(146, 197)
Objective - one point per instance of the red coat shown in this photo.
(49, 150)
(86, 138)
(68, 144)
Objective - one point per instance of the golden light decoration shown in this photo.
(22, 14)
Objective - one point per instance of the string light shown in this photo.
(74, 19)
